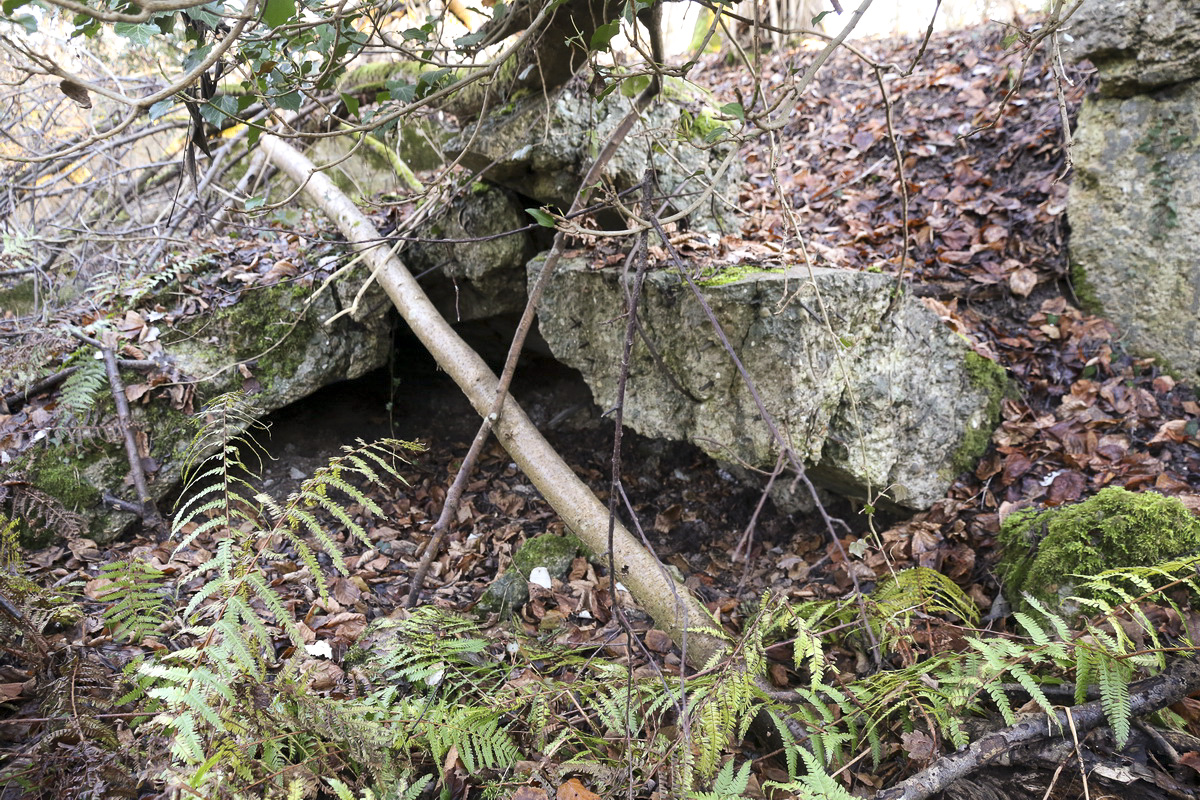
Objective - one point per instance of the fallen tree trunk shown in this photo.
(672, 606)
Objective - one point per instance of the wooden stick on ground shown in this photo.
(1181, 678)
(149, 509)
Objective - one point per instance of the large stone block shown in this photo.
(1138, 45)
(1134, 209)
(870, 389)
(542, 147)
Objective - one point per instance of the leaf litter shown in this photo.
(987, 253)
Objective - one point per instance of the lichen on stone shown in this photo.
(1044, 549)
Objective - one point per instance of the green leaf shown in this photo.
(211, 14)
(278, 12)
(27, 21)
(543, 219)
(416, 34)
(160, 109)
(255, 202)
(470, 40)
(196, 57)
(817, 19)
(633, 86)
(351, 104)
(432, 77)
(139, 34)
(219, 109)
(401, 90)
(715, 134)
(734, 110)
(603, 35)
(9, 6)
(289, 101)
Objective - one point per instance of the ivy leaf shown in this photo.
(196, 57)
(603, 35)
(160, 109)
(140, 34)
(278, 12)
(734, 110)
(289, 101)
(401, 90)
(542, 218)
(210, 15)
(470, 40)
(217, 111)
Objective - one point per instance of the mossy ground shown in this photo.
(1043, 549)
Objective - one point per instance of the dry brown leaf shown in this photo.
(1022, 281)
(10, 691)
(574, 790)
(918, 745)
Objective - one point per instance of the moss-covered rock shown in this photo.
(272, 332)
(886, 399)
(733, 274)
(18, 298)
(992, 380)
(510, 590)
(1043, 549)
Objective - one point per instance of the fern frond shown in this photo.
(85, 386)
(927, 590)
(137, 606)
(1114, 698)
(815, 784)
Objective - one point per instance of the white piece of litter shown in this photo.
(1049, 479)
(540, 576)
(319, 649)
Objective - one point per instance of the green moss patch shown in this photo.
(1085, 293)
(727, 275)
(1044, 549)
(992, 379)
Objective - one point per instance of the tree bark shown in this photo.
(672, 606)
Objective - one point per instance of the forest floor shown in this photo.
(987, 238)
